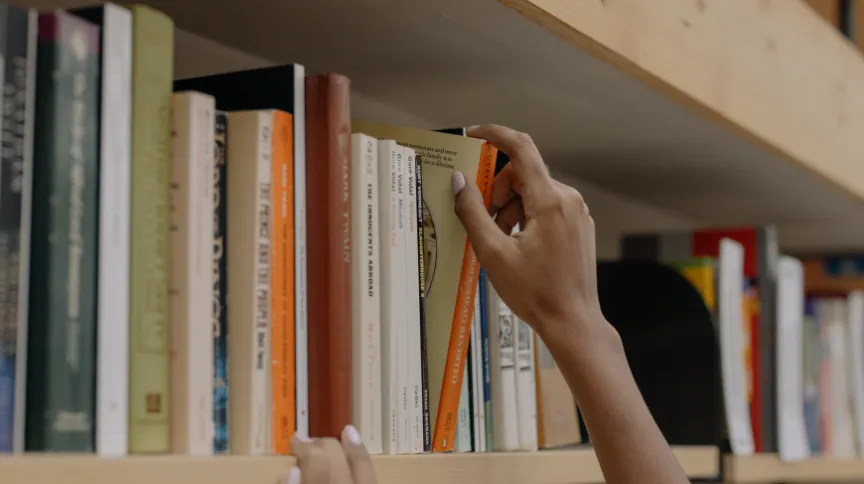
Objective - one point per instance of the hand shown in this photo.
(329, 461)
(546, 273)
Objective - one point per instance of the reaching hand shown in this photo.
(546, 273)
(329, 461)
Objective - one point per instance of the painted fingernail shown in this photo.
(351, 435)
(293, 476)
(457, 182)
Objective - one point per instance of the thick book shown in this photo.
(249, 177)
(451, 266)
(282, 88)
(365, 293)
(220, 286)
(328, 132)
(112, 381)
(15, 199)
(760, 271)
(149, 267)
(62, 315)
(191, 283)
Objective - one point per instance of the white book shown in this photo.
(792, 432)
(412, 299)
(502, 373)
(856, 349)
(249, 194)
(463, 417)
(478, 406)
(402, 311)
(19, 413)
(391, 295)
(526, 395)
(833, 313)
(365, 292)
(115, 154)
(191, 283)
(301, 354)
(732, 337)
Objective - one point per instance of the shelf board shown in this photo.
(548, 467)
(768, 468)
(723, 112)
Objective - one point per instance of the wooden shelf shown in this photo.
(770, 469)
(548, 467)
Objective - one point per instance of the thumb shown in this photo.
(486, 238)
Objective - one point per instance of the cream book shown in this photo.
(365, 293)
(451, 267)
(399, 281)
(557, 420)
(249, 212)
(191, 283)
(412, 299)
(792, 432)
(391, 298)
(502, 373)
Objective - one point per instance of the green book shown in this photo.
(149, 358)
(61, 369)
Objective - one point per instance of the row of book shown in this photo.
(339, 289)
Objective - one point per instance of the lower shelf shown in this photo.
(768, 468)
(548, 467)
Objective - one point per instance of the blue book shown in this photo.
(484, 336)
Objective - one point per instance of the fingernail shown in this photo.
(457, 182)
(473, 127)
(351, 435)
(293, 476)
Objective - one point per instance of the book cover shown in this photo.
(451, 266)
(61, 384)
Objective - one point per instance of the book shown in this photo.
(221, 430)
(61, 385)
(149, 358)
(557, 421)
(451, 266)
(328, 173)
(412, 298)
(249, 177)
(112, 386)
(17, 118)
(191, 284)
(792, 437)
(366, 293)
(282, 88)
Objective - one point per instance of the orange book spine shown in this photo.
(451, 387)
(282, 283)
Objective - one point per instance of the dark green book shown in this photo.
(61, 376)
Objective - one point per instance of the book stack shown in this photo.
(212, 265)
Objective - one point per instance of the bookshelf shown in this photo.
(769, 468)
(550, 467)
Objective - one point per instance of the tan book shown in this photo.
(557, 421)
(450, 265)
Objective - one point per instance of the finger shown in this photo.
(311, 460)
(521, 149)
(487, 240)
(505, 187)
(339, 470)
(510, 216)
(358, 459)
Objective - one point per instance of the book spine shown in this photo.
(282, 284)
(220, 287)
(328, 132)
(61, 390)
(301, 291)
(149, 359)
(402, 310)
(443, 438)
(112, 419)
(463, 426)
(412, 299)
(424, 358)
(192, 274)
(484, 339)
(366, 299)
(261, 389)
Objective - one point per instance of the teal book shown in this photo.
(61, 370)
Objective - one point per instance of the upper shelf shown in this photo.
(726, 112)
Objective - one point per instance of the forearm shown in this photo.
(627, 441)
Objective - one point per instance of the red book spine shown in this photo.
(328, 165)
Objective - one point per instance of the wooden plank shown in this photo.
(768, 468)
(547, 467)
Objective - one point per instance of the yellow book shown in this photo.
(149, 359)
(450, 266)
